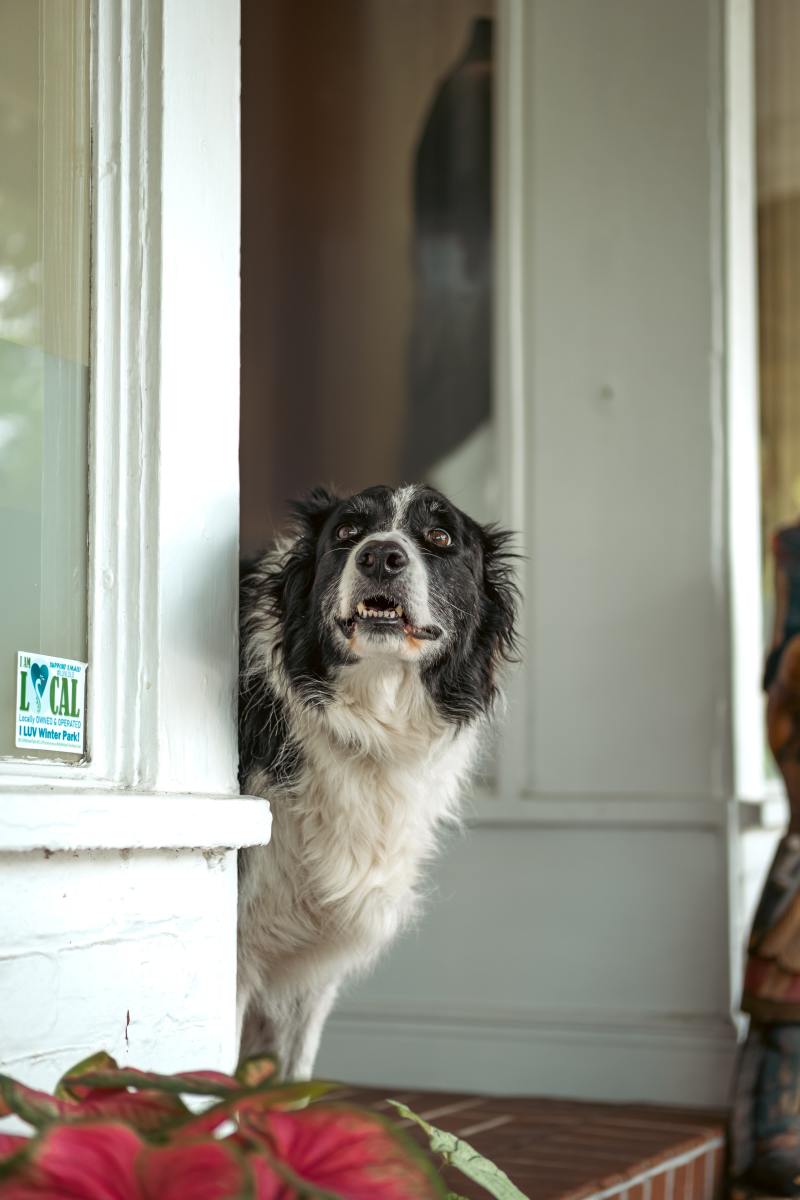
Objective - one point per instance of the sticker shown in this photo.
(51, 694)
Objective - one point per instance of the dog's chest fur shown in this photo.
(379, 770)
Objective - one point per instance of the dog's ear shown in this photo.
(501, 591)
(290, 582)
(464, 683)
(311, 511)
(290, 585)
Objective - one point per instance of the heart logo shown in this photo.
(39, 675)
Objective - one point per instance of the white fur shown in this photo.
(341, 875)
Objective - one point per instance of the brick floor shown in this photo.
(571, 1150)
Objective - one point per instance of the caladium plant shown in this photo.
(116, 1133)
(112, 1133)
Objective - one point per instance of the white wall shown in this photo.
(131, 953)
(584, 948)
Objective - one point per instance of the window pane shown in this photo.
(44, 334)
(366, 250)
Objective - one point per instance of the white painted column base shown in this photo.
(118, 929)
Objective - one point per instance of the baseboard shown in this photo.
(484, 809)
(599, 1056)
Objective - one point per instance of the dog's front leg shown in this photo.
(298, 1029)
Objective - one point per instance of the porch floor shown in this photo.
(559, 1149)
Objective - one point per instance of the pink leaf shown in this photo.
(78, 1162)
(144, 1110)
(109, 1162)
(269, 1184)
(200, 1171)
(198, 1083)
(344, 1151)
(149, 1112)
(11, 1143)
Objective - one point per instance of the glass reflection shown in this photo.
(44, 331)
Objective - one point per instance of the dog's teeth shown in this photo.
(399, 610)
(360, 609)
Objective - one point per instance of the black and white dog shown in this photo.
(371, 644)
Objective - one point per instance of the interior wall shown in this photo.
(334, 97)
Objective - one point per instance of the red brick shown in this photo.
(684, 1183)
(637, 1193)
(570, 1150)
(659, 1185)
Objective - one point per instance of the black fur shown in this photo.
(464, 682)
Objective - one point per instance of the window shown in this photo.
(44, 335)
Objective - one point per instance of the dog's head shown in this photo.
(396, 575)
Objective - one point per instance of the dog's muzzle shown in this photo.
(382, 600)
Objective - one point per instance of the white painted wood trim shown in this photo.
(125, 820)
(741, 385)
(606, 1056)
(198, 427)
(512, 314)
(610, 1023)
(742, 535)
(123, 453)
(485, 810)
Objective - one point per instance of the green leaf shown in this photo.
(67, 1087)
(37, 1108)
(253, 1072)
(149, 1112)
(248, 1102)
(460, 1154)
(190, 1083)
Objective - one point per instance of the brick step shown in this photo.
(576, 1150)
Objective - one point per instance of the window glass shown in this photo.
(44, 335)
(367, 240)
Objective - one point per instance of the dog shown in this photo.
(371, 646)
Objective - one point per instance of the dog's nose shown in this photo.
(377, 560)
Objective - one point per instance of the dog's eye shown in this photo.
(346, 532)
(438, 537)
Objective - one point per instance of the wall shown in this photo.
(578, 942)
(129, 953)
